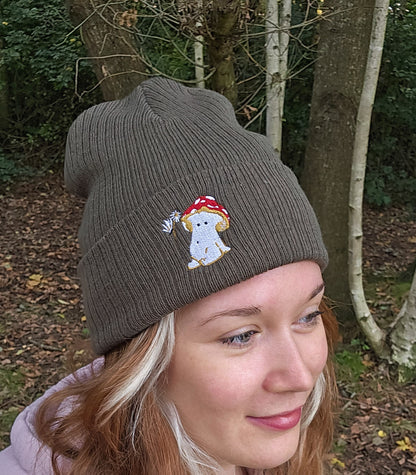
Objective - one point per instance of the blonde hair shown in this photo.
(122, 423)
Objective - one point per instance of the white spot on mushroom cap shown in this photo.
(210, 198)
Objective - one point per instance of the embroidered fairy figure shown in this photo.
(205, 218)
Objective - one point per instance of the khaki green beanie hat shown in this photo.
(181, 202)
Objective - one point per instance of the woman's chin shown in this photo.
(270, 454)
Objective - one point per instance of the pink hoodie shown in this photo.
(25, 454)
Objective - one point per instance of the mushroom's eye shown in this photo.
(206, 222)
(198, 224)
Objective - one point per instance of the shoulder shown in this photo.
(25, 454)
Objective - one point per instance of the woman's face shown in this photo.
(245, 361)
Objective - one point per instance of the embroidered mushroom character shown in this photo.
(205, 219)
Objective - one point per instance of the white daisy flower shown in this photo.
(175, 216)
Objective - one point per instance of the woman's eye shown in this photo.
(310, 319)
(239, 340)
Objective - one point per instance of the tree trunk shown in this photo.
(223, 25)
(339, 72)
(199, 61)
(199, 53)
(110, 43)
(375, 336)
(403, 337)
(284, 23)
(273, 77)
(277, 44)
(277, 47)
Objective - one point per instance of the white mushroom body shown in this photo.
(206, 245)
(205, 218)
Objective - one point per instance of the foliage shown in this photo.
(41, 49)
(11, 169)
(166, 49)
(392, 150)
(39, 54)
(302, 54)
(350, 365)
(11, 386)
(7, 417)
(11, 382)
(385, 184)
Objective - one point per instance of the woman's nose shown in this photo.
(289, 368)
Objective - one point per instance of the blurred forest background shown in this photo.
(46, 82)
(49, 74)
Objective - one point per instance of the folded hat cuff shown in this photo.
(137, 273)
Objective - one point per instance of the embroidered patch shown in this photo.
(204, 219)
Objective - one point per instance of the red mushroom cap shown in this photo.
(206, 202)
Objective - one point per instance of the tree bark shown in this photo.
(273, 77)
(277, 42)
(375, 336)
(223, 25)
(110, 44)
(403, 337)
(199, 54)
(199, 61)
(284, 23)
(339, 72)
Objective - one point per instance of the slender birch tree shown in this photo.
(273, 117)
(374, 334)
(403, 336)
(199, 61)
(199, 52)
(277, 26)
(284, 36)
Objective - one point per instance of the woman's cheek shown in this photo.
(226, 381)
(321, 354)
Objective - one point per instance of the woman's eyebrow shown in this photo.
(317, 291)
(249, 311)
(235, 312)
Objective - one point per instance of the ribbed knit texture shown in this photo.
(154, 152)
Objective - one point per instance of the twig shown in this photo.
(358, 403)
(46, 347)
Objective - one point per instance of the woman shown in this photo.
(201, 276)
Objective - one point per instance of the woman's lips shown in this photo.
(282, 421)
